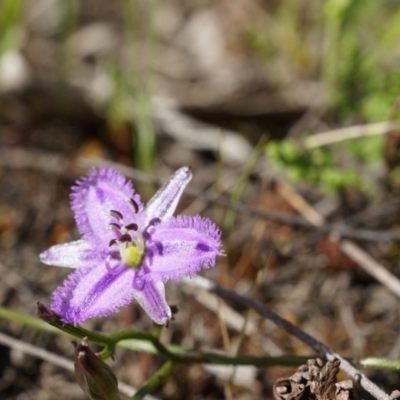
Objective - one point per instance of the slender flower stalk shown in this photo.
(128, 250)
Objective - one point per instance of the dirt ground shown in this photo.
(211, 106)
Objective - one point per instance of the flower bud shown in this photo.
(94, 376)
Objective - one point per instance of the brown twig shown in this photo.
(20, 158)
(371, 266)
(293, 330)
(347, 133)
(34, 351)
(363, 259)
(57, 360)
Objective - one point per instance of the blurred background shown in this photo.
(287, 106)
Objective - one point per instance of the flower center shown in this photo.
(130, 244)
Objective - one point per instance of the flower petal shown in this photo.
(92, 292)
(72, 255)
(94, 196)
(163, 204)
(182, 246)
(151, 296)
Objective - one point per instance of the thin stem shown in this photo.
(146, 343)
(79, 332)
(26, 320)
(239, 188)
(154, 381)
(139, 335)
(381, 363)
(174, 353)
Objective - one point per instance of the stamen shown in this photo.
(116, 214)
(134, 205)
(131, 227)
(125, 238)
(114, 227)
(129, 246)
(174, 309)
(113, 242)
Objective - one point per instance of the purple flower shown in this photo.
(128, 250)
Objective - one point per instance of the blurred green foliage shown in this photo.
(318, 166)
(322, 166)
(140, 21)
(132, 97)
(353, 48)
(10, 25)
(69, 23)
(362, 58)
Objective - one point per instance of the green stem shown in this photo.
(139, 335)
(147, 343)
(382, 363)
(81, 333)
(155, 381)
(156, 330)
(239, 188)
(26, 320)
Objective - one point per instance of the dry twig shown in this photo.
(350, 132)
(363, 259)
(57, 360)
(293, 330)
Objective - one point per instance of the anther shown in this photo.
(174, 309)
(114, 227)
(125, 238)
(116, 214)
(112, 242)
(131, 227)
(134, 205)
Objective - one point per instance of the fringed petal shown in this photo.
(163, 204)
(182, 246)
(94, 196)
(72, 255)
(93, 292)
(151, 296)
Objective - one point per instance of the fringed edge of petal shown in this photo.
(79, 194)
(182, 246)
(77, 313)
